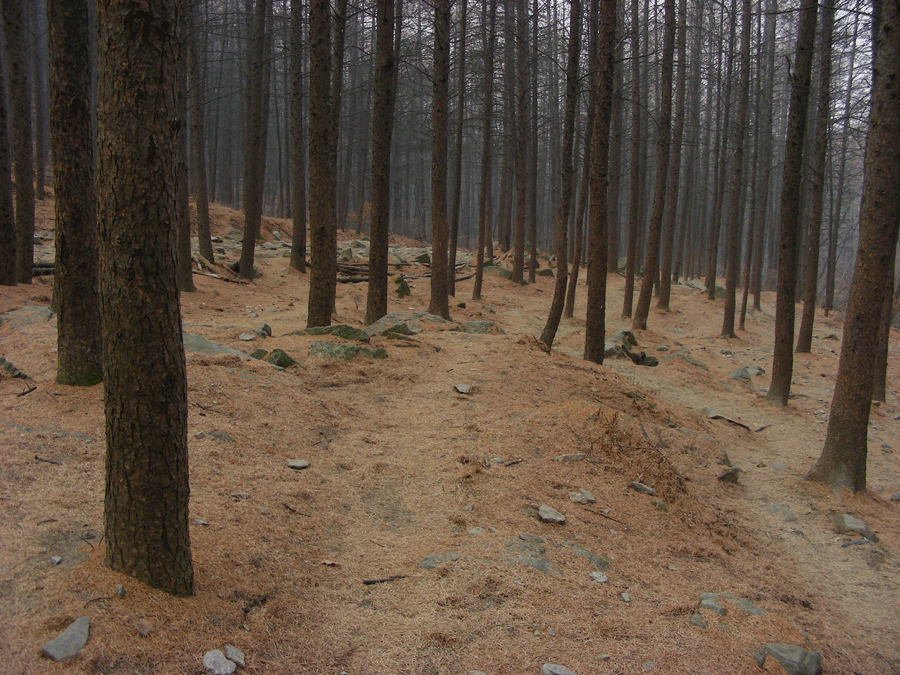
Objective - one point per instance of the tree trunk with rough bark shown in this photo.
(439, 303)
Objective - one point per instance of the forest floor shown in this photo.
(404, 469)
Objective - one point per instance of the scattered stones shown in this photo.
(216, 663)
(550, 515)
(297, 464)
(731, 476)
(643, 489)
(278, 358)
(582, 497)
(555, 669)
(463, 388)
(844, 523)
(574, 457)
(221, 436)
(795, 660)
(232, 653)
(599, 577)
(66, 644)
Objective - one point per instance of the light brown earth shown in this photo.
(397, 472)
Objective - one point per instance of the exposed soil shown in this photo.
(402, 466)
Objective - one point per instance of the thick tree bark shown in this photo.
(484, 197)
(382, 130)
(79, 357)
(522, 100)
(439, 303)
(146, 505)
(735, 206)
(842, 464)
(322, 178)
(663, 141)
(783, 361)
(23, 161)
(823, 123)
(254, 146)
(183, 272)
(595, 323)
(40, 105)
(567, 171)
(297, 141)
(457, 161)
(198, 134)
(634, 204)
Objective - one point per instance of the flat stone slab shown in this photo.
(195, 344)
(795, 660)
(844, 523)
(27, 316)
(66, 644)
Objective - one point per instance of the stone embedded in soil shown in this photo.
(278, 358)
(597, 561)
(239, 496)
(698, 620)
(66, 644)
(120, 591)
(463, 388)
(710, 601)
(476, 531)
(742, 374)
(258, 354)
(795, 660)
(221, 436)
(247, 337)
(345, 351)
(555, 669)
(731, 476)
(298, 464)
(599, 577)
(531, 538)
(573, 457)
(55, 560)
(844, 523)
(232, 653)
(643, 489)
(479, 327)
(435, 560)
(550, 515)
(340, 330)
(582, 497)
(626, 597)
(216, 663)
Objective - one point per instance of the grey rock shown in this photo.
(258, 354)
(896, 497)
(550, 515)
(278, 358)
(463, 388)
(747, 606)
(232, 653)
(247, 337)
(194, 344)
(626, 597)
(597, 561)
(731, 476)
(402, 287)
(340, 330)
(530, 554)
(476, 531)
(239, 496)
(297, 464)
(120, 591)
(480, 327)
(55, 560)
(66, 644)
(599, 577)
(27, 315)
(698, 620)
(555, 669)
(573, 457)
(624, 336)
(216, 663)
(613, 350)
(346, 351)
(844, 523)
(276, 236)
(582, 497)
(755, 371)
(795, 660)
(711, 601)
(531, 538)
(221, 436)
(648, 665)
(265, 331)
(423, 258)
(659, 504)
(498, 271)
(435, 560)
(831, 336)
(202, 523)
(643, 489)
(742, 374)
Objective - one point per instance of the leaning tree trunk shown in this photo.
(783, 361)
(842, 464)
(79, 356)
(146, 505)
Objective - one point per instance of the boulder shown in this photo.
(66, 645)
(346, 351)
(278, 358)
(795, 660)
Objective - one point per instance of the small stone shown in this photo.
(469, 507)
(276, 236)
(844, 523)
(55, 560)
(698, 620)
(239, 496)
(202, 523)
(463, 388)
(550, 515)
(711, 601)
(626, 597)
(599, 577)
(582, 497)
(476, 530)
(643, 489)
(531, 538)
(234, 654)
(221, 436)
(120, 591)
(66, 644)
(896, 497)
(297, 464)
(247, 337)
(200, 434)
(554, 669)
(731, 476)
(216, 663)
(573, 457)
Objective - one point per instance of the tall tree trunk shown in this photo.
(184, 276)
(484, 197)
(297, 141)
(23, 162)
(634, 208)
(322, 177)
(79, 356)
(531, 213)
(254, 147)
(198, 135)
(522, 100)
(457, 165)
(439, 303)
(842, 464)
(382, 131)
(823, 124)
(595, 322)
(146, 504)
(783, 362)
(735, 205)
(663, 140)
(40, 104)
(665, 269)
(567, 171)
(7, 215)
